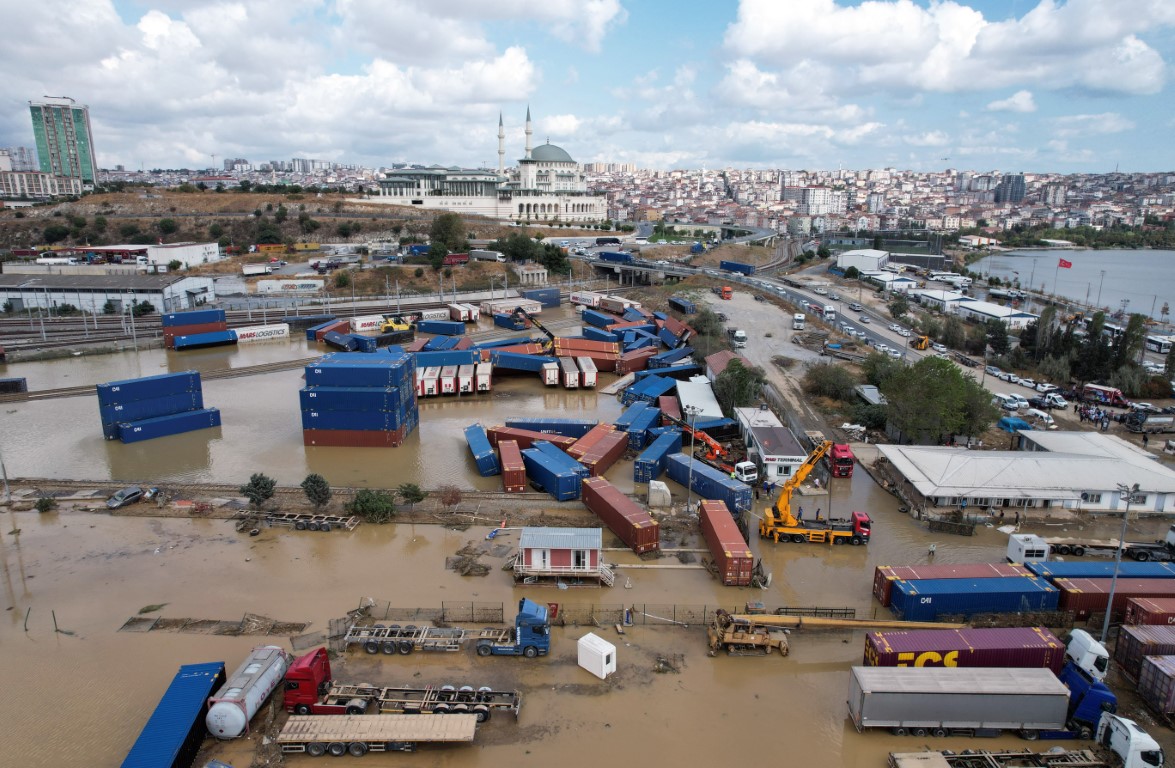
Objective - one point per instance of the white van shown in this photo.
(1005, 401)
(1037, 416)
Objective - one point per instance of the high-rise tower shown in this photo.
(528, 132)
(501, 145)
(65, 143)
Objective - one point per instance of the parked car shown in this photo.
(895, 327)
(940, 348)
(905, 333)
(993, 371)
(855, 307)
(1145, 408)
(1028, 383)
(895, 353)
(122, 498)
(1020, 402)
(1044, 387)
(864, 319)
(834, 296)
(821, 291)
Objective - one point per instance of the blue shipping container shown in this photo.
(147, 409)
(1128, 570)
(351, 399)
(312, 332)
(736, 266)
(560, 458)
(562, 483)
(599, 334)
(365, 371)
(515, 362)
(509, 322)
(365, 344)
(357, 421)
(576, 428)
(598, 319)
(449, 357)
(546, 297)
(343, 341)
(175, 731)
(668, 338)
(212, 339)
(626, 418)
(503, 342)
(148, 387)
(666, 359)
(683, 305)
(441, 327)
(709, 483)
(638, 433)
(619, 257)
(163, 426)
(927, 599)
(651, 463)
(440, 344)
(484, 455)
(193, 317)
(305, 321)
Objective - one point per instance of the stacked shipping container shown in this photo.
(884, 576)
(1085, 597)
(928, 599)
(1020, 647)
(1136, 642)
(198, 321)
(154, 406)
(382, 415)
(732, 556)
(1146, 610)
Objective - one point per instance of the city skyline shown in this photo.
(1077, 87)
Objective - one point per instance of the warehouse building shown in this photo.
(982, 311)
(864, 259)
(1055, 471)
(90, 293)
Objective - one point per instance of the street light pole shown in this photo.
(1130, 491)
(691, 411)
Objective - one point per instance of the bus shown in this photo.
(602, 241)
(840, 460)
(1160, 344)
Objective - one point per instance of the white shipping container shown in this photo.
(431, 381)
(458, 312)
(366, 323)
(254, 333)
(465, 379)
(297, 285)
(474, 312)
(485, 377)
(550, 374)
(617, 304)
(433, 314)
(570, 373)
(243, 693)
(506, 306)
(586, 298)
(587, 371)
(449, 380)
(420, 382)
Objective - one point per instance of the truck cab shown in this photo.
(307, 679)
(1133, 746)
(531, 636)
(738, 337)
(746, 472)
(1088, 654)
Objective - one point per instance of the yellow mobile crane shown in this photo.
(520, 313)
(750, 634)
(779, 524)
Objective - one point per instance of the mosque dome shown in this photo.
(549, 153)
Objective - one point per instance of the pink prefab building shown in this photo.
(572, 556)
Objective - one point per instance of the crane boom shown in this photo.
(780, 514)
(520, 312)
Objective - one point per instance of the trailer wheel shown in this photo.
(371, 646)
(919, 731)
(357, 748)
(405, 647)
(337, 748)
(1142, 556)
(441, 709)
(482, 712)
(1029, 735)
(388, 646)
(1078, 551)
(355, 709)
(898, 731)
(324, 527)
(299, 526)
(395, 630)
(316, 749)
(484, 649)
(938, 733)
(530, 651)
(312, 526)
(1063, 549)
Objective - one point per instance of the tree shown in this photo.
(128, 230)
(55, 233)
(342, 279)
(877, 242)
(449, 496)
(99, 224)
(852, 273)
(109, 308)
(410, 493)
(448, 231)
(259, 489)
(142, 308)
(280, 214)
(954, 333)
(898, 306)
(372, 506)
(997, 336)
(1129, 344)
(823, 252)
(174, 265)
(215, 231)
(933, 399)
(317, 490)
(829, 380)
(45, 504)
(877, 368)
(739, 385)
(167, 226)
(9, 308)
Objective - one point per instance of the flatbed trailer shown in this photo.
(405, 640)
(444, 699)
(1072, 758)
(1141, 551)
(318, 735)
(299, 521)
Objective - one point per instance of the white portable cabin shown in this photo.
(597, 655)
(485, 377)
(431, 386)
(550, 374)
(570, 373)
(1027, 548)
(587, 370)
(465, 379)
(474, 312)
(459, 312)
(448, 380)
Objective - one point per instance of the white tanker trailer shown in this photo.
(232, 707)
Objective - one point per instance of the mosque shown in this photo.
(547, 186)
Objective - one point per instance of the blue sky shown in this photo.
(1078, 86)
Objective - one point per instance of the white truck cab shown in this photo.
(738, 337)
(747, 472)
(1090, 656)
(1132, 745)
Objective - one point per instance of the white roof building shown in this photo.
(941, 300)
(864, 259)
(982, 311)
(890, 281)
(697, 393)
(1066, 470)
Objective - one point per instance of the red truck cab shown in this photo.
(454, 259)
(307, 679)
(841, 461)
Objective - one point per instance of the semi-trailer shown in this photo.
(530, 636)
(736, 266)
(356, 735)
(310, 689)
(173, 734)
(233, 706)
(943, 701)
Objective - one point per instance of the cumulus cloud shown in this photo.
(1091, 125)
(1020, 101)
(928, 139)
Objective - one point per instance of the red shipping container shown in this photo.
(353, 438)
(637, 360)
(170, 332)
(670, 406)
(1156, 683)
(1088, 596)
(726, 544)
(622, 515)
(593, 436)
(583, 347)
(620, 326)
(342, 326)
(1020, 647)
(885, 575)
(522, 349)
(1138, 641)
(464, 343)
(513, 469)
(417, 345)
(678, 328)
(525, 437)
(600, 457)
(603, 362)
(1145, 610)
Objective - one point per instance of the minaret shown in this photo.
(501, 146)
(528, 132)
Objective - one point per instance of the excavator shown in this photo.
(521, 314)
(747, 634)
(715, 452)
(920, 342)
(779, 524)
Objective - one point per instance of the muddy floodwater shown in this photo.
(80, 696)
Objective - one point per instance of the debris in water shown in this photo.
(152, 608)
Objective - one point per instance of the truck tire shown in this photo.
(357, 749)
(324, 527)
(1030, 735)
(388, 646)
(798, 538)
(312, 526)
(355, 709)
(938, 733)
(1078, 551)
(316, 749)
(530, 651)
(1063, 549)
(484, 649)
(371, 646)
(1142, 556)
(919, 732)
(482, 712)
(337, 748)
(898, 731)
(299, 526)
(405, 647)
(302, 709)
(856, 541)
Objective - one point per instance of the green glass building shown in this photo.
(65, 144)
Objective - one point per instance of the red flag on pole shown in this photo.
(1062, 264)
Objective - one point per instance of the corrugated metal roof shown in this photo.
(167, 728)
(561, 538)
(777, 441)
(55, 282)
(945, 680)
